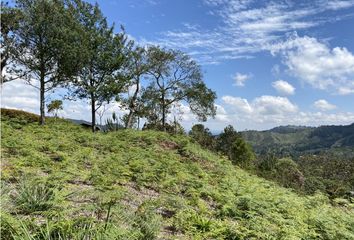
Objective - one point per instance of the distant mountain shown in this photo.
(299, 139)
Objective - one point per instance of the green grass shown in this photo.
(60, 181)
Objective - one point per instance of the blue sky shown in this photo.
(270, 62)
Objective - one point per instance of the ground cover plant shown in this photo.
(60, 181)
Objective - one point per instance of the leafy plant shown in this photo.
(33, 196)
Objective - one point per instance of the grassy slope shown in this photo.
(183, 191)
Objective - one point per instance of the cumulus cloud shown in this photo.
(265, 112)
(239, 104)
(266, 105)
(19, 95)
(283, 87)
(317, 64)
(240, 79)
(271, 105)
(323, 105)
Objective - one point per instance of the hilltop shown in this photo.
(299, 139)
(60, 181)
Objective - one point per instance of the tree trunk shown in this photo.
(93, 113)
(163, 112)
(130, 119)
(132, 106)
(42, 99)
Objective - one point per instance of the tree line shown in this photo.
(70, 44)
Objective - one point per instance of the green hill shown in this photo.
(61, 181)
(299, 140)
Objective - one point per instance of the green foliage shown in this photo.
(332, 173)
(241, 153)
(288, 173)
(112, 185)
(295, 141)
(103, 58)
(10, 18)
(18, 116)
(175, 77)
(147, 221)
(44, 45)
(202, 136)
(234, 146)
(33, 196)
(136, 70)
(54, 106)
(225, 139)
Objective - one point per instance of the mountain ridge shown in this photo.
(301, 139)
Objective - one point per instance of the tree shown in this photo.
(54, 107)
(10, 17)
(100, 78)
(231, 143)
(136, 68)
(241, 153)
(288, 173)
(175, 78)
(44, 45)
(202, 135)
(225, 140)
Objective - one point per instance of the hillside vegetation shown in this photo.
(60, 181)
(299, 140)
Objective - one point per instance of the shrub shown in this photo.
(288, 173)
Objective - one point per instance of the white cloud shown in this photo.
(271, 105)
(247, 27)
(19, 95)
(317, 64)
(265, 112)
(239, 104)
(240, 79)
(338, 4)
(323, 105)
(283, 87)
(267, 105)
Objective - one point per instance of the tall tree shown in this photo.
(10, 17)
(136, 69)
(100, 78)
(176, 77)
(44, 45)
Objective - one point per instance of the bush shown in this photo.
(288, 173)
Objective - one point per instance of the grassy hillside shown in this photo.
(299, 140)
(62, 182)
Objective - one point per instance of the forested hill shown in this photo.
(298, 139)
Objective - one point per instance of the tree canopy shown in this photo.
(175, 77)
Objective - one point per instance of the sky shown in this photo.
(271, 63)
